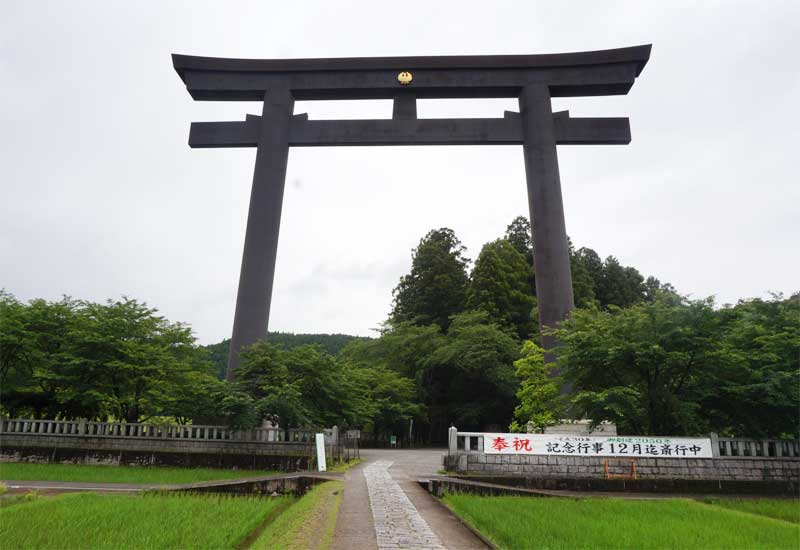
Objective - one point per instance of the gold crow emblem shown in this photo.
(405, 78)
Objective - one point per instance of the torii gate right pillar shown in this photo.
(550, 249)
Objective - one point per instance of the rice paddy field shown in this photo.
(785, 509)
(90, 520)
(24, 471)
(551, 523)
(155, 520)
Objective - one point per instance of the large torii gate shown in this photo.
(533, 79)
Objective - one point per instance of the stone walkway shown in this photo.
(398, 524)
(384, 507)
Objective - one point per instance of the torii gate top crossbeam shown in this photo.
(601, 72)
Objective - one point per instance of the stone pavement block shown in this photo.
(398, 524)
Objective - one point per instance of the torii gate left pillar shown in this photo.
(253, 300)
(533, 79)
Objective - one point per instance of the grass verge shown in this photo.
(308, 524)
(528, 522)
(90, 520)
(785, 509)
(345, 465)
(24, 471)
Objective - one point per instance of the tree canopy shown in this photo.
(683, 367)
(500, 286)
(71, 359)
(435, 289)
(459, 348)
(332, 343)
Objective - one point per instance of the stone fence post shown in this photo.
(714, 444)
(452, 440)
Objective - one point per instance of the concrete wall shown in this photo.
(544, 486)
(155, 452)
(538, 466)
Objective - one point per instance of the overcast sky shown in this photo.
(101, 196)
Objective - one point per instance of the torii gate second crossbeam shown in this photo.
(533, 79)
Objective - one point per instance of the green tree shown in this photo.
(582, 266)
(540, 401)
(654, 290)
(619, 286)
(131, 357)
(465, 377)
(202, 398)
(520, 235)
(388, 400)
(34, 357)
(304, 387)
(475, 367)
(499, 286)
(71, 359)
(647, 368)
(590, 261)
(436, 287)
(332, 343)
(680, 367)
(405, 349)
(758, 393)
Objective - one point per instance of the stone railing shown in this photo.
(737, 447)
(722, 447)
(464, 441)
(86, 428)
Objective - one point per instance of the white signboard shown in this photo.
(578, 445)
(321, 452)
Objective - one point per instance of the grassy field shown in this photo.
(307, 524)
(785, 509)
(89, 520)
(526, 522)
(345, 465)
(23, 471)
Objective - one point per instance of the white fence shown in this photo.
(86, 428)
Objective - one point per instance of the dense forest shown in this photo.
(331, 343)
(459, 346)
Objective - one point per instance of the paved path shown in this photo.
(397, 522)
(354, 527)
(384, 507)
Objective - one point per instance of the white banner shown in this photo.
(578, 445)
(320, 439)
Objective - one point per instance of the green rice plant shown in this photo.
(171, 520)
(550, 523)
(25, 471)
(785, 509)
(307, 524)
(11, 499)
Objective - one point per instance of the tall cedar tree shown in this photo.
(499, 286)
(520, 235)
(436, 287)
